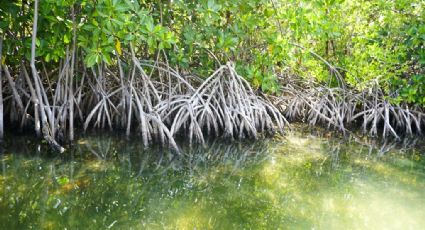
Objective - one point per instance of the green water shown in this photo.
(296, 182)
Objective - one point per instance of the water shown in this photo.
(297, 182)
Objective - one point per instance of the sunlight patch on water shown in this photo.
(301, 182)
(377, 210)
(192, 218)
(271, 172)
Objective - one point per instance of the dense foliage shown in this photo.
(367, 40)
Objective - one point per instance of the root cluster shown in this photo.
(148, 98)
(343, 108)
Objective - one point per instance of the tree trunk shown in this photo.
(38, 84)
(1, 91)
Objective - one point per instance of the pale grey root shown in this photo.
(160, 104)
(342, 108)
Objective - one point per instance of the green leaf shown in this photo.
(47, 57)
(106, 58)
(66, 39)
(91, 59)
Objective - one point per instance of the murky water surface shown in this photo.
(296, 182)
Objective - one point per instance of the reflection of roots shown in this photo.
(154, 161)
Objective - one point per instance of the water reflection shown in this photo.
(299, 181)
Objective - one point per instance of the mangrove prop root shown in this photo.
(341, 108)
(149, 98)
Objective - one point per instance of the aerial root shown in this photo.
(223, 104)
(341, 108)
(166, 104)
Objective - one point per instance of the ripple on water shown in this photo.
(297, 181)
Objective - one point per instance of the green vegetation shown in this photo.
(111, 63)
(368, 40)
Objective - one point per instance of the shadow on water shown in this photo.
(300, 181)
